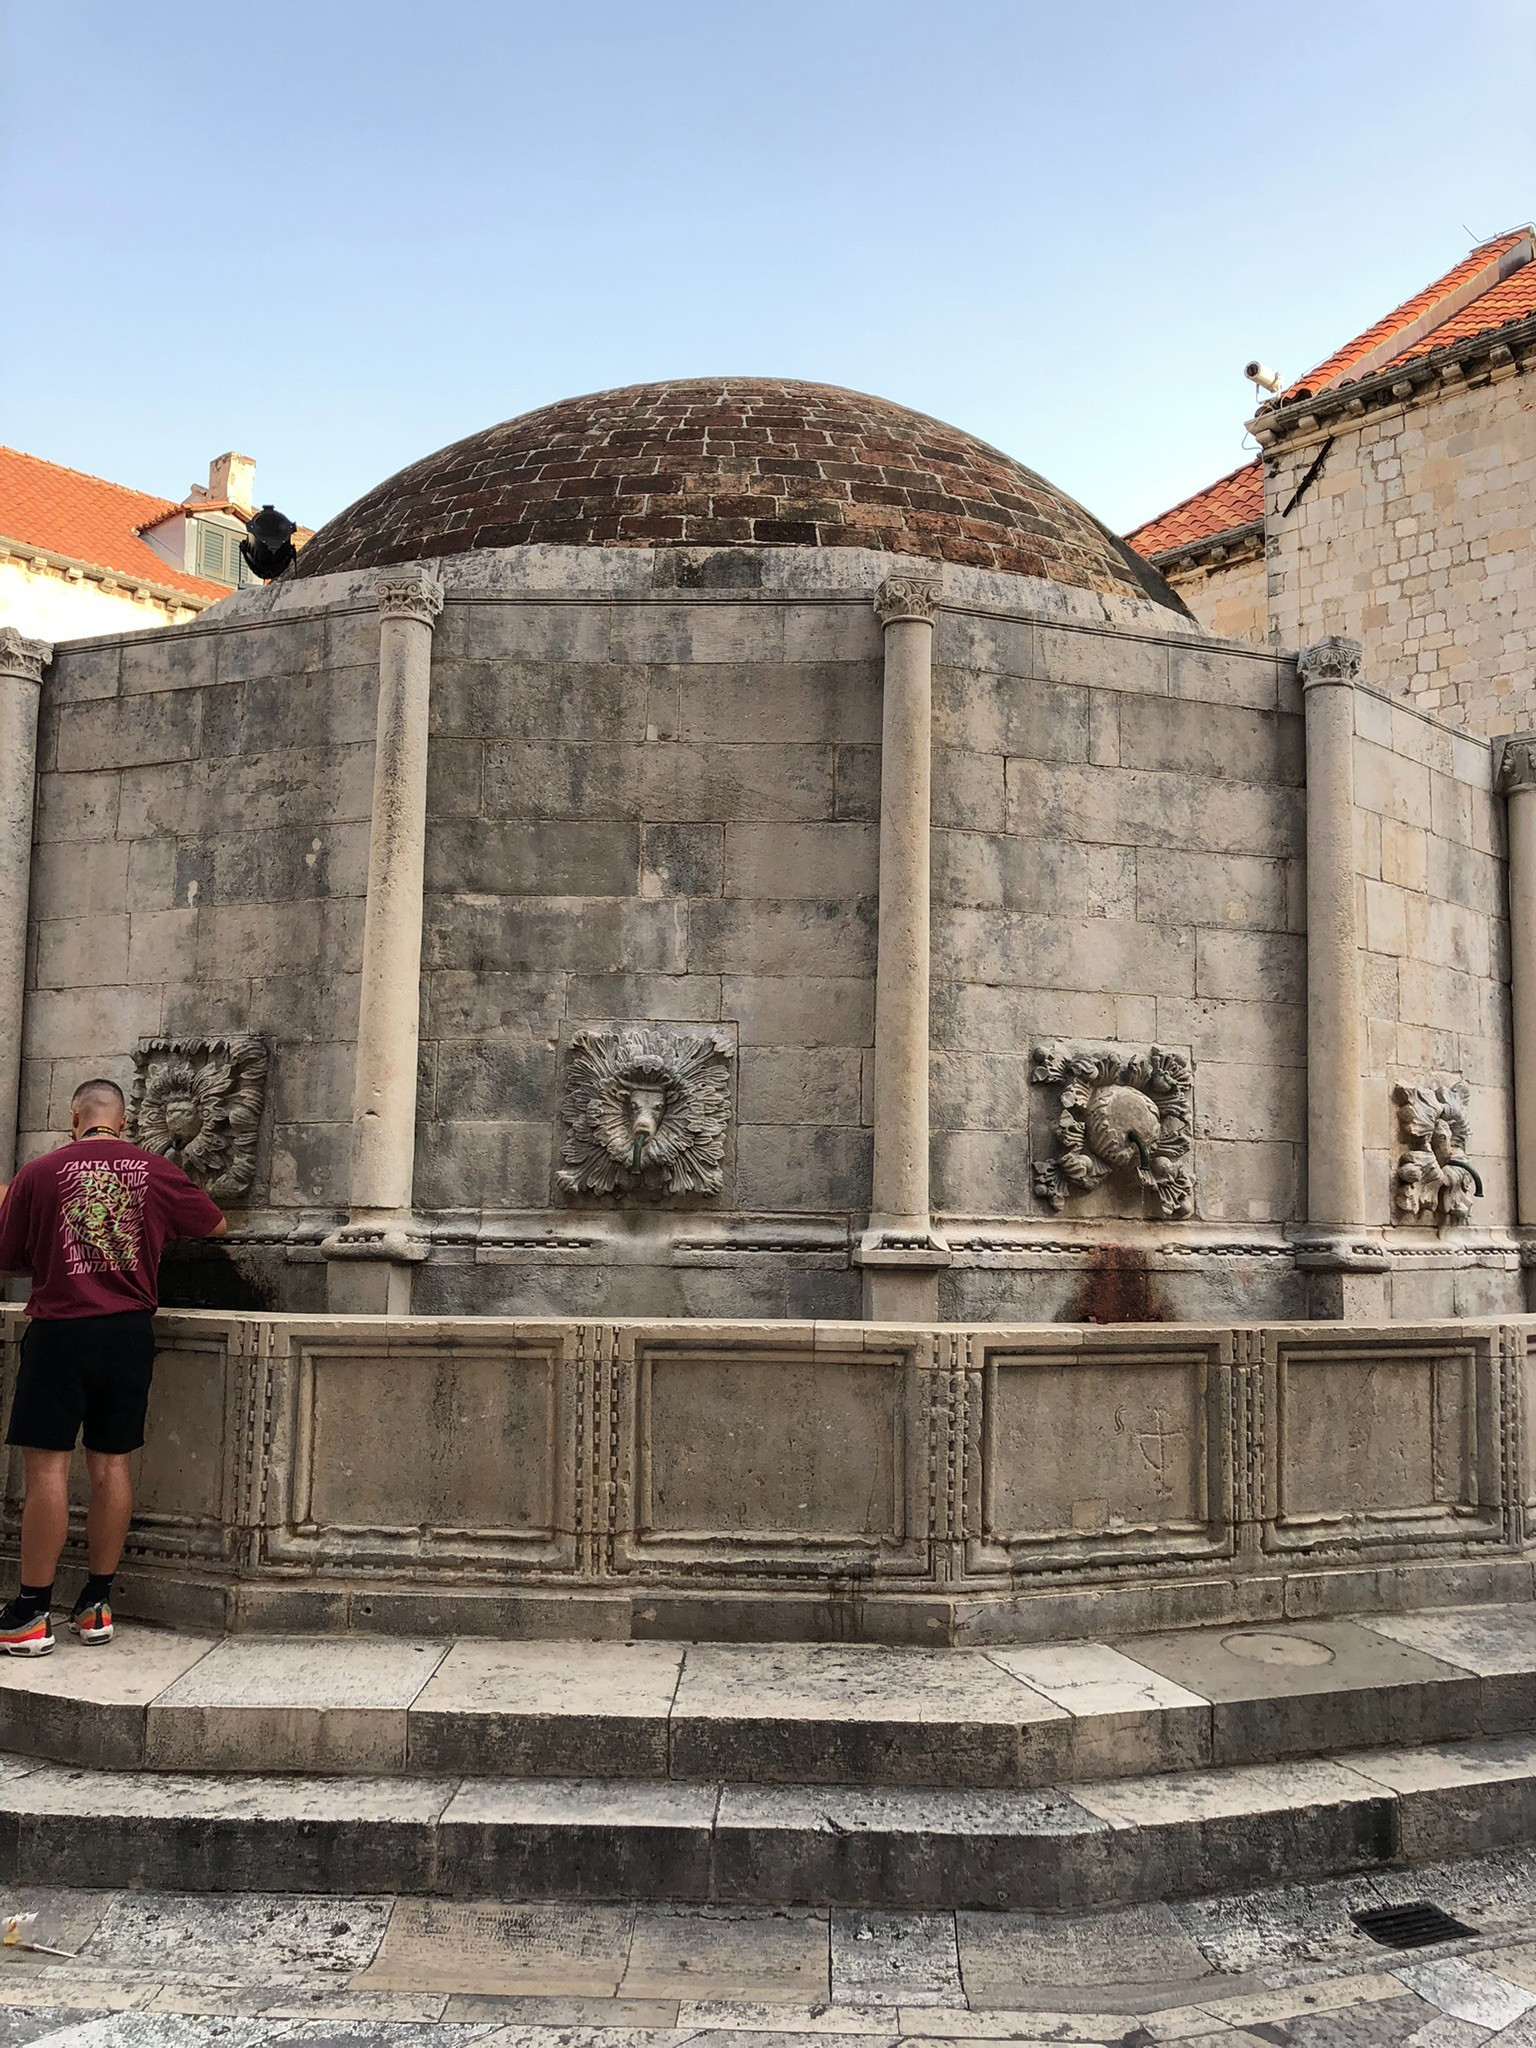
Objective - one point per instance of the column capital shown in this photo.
(410, 594)
(907, 597)
(21, 657)
(1334, 660)
(1517, 764)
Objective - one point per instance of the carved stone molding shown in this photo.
(21, 657)
(907, 597)
(1119, 1111)
(198, 1101)
(1334, 660)
(646, 1112)
(1517, 764)
(1434, 1178)
(415, 595)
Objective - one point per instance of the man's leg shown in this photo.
(106, 1526)
(45, 1518)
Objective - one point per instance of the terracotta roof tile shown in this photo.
(1335, 368)
(1235, 500)
(1514, 299)
(90, 521)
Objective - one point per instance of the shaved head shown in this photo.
(97, 1102)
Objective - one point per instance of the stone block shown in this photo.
(129, 732)
(1255, 1104)
(309, 1164)
(499, 857)
(833, 632)
(496, 1004)
(1404, 855)
(783, 1167)
(547, 1710)
(152, 662)
(82, 952)
(543, 934)
(1222, 741)
(1087, 954)
(644, 998)
(720, 632)
(706, 783)
(856, 784)
(334, 708)
(1210, 889)
(990, 714)
(72, 808)
(979, 641)
(990, 870)
(265, 938)
(1251, 966)
(682, 860)
(268, 792)
(715, 1953)
(980, 1091)
(757, 936)
(313, 1084)
(800, 861)
(1145, 809)
(1218, 675)
(827, 701)
(1390, 784)
(981, 1173)
(496, 1081)
(570, 1840)
(1250, 1181)
(560, 701)
(484, 1165)
(272, 648)
(970, 795)
(773, 1009)
(93, 1716)
(980, 1017)
(454, 769)
(89, 879)
(1113, 661)
(1258, 1033)
(162, 946)
(801, 1085)
(532, 632)
(83, 673)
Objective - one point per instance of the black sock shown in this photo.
(36, 1599)
(97, 1587)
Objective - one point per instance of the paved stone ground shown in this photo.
(1278, 1969)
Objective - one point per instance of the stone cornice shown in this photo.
(1482, 358)
(1233, 544)
(23, 658)
(114, 582)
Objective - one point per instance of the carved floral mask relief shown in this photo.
(1435, 1181)
(646, 1111)
(198, 1101)
(1120, 1113)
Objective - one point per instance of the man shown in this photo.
(89, 1223)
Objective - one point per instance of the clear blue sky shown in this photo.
(336, 235)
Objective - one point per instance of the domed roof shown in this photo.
(732, 462)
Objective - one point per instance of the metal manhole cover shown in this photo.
(1416, 1925)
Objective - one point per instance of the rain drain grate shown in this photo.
(1417, 1925)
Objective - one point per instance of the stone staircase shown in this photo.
(1052, 1776)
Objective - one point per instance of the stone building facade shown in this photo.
(1392, 502)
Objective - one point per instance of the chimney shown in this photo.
(233, 477)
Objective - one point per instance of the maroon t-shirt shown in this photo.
(89, 1223)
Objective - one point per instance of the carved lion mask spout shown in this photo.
(647, 1107)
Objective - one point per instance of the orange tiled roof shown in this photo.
(1514, 299)
(1335, 368)
(90, 521)
(1236, 500)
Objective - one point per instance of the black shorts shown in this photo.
(93, 1370)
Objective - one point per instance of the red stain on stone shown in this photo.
(1117, 1288)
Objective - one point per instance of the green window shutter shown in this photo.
(210, 552)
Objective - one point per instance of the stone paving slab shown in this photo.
(544, 1709)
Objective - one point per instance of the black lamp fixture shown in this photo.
(268, 549)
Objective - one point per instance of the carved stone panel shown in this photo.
(1435, 1182)
(198, 1101)
(1126, 1113)
(646, 1111)
(745, 1456)
(1376, 1440)
(1103, 1454)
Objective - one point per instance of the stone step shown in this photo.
(963, 1720)
(1120, 1842)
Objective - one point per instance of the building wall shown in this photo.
(46, 604)
(1230, 599)
(1418, 538)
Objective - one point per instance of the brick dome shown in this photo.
(732, 462)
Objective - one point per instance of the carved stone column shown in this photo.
(1517, 783)
(21, 682)
(1348, 1267)
(371, 1258)
(900, 1252)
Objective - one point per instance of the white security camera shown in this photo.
(1262, 375)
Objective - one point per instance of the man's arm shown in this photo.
(221, 1228)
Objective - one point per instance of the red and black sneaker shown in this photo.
(24, 1631)
(92, 1621)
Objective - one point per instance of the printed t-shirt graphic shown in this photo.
(101, 1214)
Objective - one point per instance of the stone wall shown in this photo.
(1230, 599)
(1434, 967)
(200, 870)
(784, 1479)
(1418, 538)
